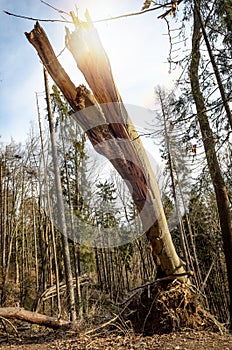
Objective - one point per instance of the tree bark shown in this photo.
(19, 313)
(60, 205)
(49, 210)
(222, 198)
(107, 125)
(171, 166)
(225, 99)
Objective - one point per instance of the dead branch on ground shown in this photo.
(19, 313)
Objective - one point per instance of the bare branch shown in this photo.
(166, 278)
(54, 8)
(133, 13)
(172, 11)
(36, 19)
(99, 20)
(170, 48)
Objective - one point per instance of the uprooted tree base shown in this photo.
(164, 307)
(156, 308)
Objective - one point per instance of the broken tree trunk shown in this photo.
(110, 130)
(19, 313)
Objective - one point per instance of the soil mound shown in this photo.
(160, 308)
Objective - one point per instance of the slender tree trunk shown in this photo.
(175, 182)
(17, 277)
(22, 229)
(49, 211)
(35, 238)
(171, 165)
(74, 247)
(95, 66)
(60, 204)
(223, 203)
(1, 213)
(98, 268)
(3, 234)
(225, 99)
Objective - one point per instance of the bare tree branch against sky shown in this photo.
(137, 47)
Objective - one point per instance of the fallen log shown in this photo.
(20, 313)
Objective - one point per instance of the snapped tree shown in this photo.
(106, 125)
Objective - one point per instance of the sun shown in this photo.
(98, 9)
(114, 35)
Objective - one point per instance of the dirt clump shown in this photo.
(163, 308)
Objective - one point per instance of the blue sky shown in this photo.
(137, 47)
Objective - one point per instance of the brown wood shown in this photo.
(19, 313)
(107, 127)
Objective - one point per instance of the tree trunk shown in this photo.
(171, 166)
(106, 127)
(74, 247)
(49, 210)
(19, 313)
(223, 203)
(60, 206)
(225, 99)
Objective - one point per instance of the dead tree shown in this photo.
(19, 313)
(110, 130)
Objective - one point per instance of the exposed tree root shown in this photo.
(162, 308)
(157, 308)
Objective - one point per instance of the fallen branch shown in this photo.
(5, 320)
(102, 325)
(19, 313)
(166, 278)
(51, 292)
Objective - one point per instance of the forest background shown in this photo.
(191, 125)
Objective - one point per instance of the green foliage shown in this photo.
(106, 191)
(168, 206)
(59, 104)
(87, 259)
(106, 215)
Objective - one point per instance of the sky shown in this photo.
(137, 47)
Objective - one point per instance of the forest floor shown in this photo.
(185, 340)
(173, 307)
